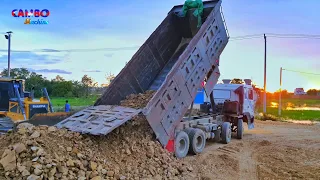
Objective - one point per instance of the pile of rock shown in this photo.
(130, 152)
(138, 100)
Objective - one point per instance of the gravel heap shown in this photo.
(129, 152)
(138, 100)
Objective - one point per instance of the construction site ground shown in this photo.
(272, 150)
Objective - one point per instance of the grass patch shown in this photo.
(272, 114)
(60, 102)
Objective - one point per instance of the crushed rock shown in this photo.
(138, 100)
(129, 152)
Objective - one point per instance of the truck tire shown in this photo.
(181, 144)
(240, 129)
(197, 141)
(226, 133)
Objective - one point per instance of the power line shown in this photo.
(245, 36)
(301, 72)
(275, 35)
(238, 39)
(252, 36)
(294, 35)
(287, 37)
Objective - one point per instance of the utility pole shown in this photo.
(265, 75)
(279, 112)
(8, 36)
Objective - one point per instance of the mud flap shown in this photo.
(250, 120)
(251, 123)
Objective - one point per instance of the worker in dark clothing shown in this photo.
(67, 107)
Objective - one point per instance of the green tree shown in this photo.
(78, 89)
(17, 73)
(57, 87)
(62, 89)
(37, 81)
(87, 83)
(58, 78)
(109, 77)
(312, 92)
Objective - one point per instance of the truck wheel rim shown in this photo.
(199, 142)
(182, 145)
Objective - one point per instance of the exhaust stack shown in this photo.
(226, 81)
(248, 81)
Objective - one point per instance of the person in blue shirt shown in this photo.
(67, 107)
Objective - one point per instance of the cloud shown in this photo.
(108, 55)
(18, 51)
(73, 50)
(30, 58)
(58, 71)
(49, 50)
(91, 71)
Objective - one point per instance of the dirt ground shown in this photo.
(272, 150)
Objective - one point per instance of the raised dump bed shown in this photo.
(174, 61)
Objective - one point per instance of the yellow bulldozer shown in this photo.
(18, 105)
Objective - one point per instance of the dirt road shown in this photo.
(272, 150)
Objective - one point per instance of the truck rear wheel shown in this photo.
(181, 144)
(240, 129)
(226, 132)
(197, 141)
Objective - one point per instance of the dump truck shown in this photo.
(174, 61)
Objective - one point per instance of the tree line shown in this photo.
(57, 87)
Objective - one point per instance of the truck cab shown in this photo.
(231, 100)
(241, 93)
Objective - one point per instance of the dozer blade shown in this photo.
(48, 119)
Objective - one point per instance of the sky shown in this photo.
(114, 30)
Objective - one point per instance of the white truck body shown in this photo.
(223, 92)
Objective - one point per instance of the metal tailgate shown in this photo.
(98, 120)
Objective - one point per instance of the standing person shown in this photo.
(67, 107)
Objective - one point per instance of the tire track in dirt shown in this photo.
(248, 166)
(273, 150)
